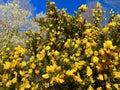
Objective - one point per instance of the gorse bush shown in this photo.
(68, 53)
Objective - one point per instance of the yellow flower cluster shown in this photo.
(73, 54)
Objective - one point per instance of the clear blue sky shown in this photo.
(72, 5)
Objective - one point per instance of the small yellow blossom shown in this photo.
(37, 71)
(100, 77)
(108, 44)
(7, 49)
(117, 86)
(101, 51)
(14, 80)
(33, 65)
(90, 88)
(70, 72)
(82, 8)
(23, 64)
(105, 29)
(99, 88)
(47, 48)
(46, 85)
(7, 65)
(45, 76)
(95, 59)
(22, 73)
(116, 75)
(89, 71)
(108, 86)
(98, 5)
(9, 83)
(112, 24)
(56, 53)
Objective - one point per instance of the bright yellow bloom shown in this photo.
(47, 48)
(95, 59)
(108, 44)
(14, 80)
(23, 64)
(52, 3)
(46, 85)
(99, 88)
(22, 73)
(9, 83)
(50, 69)
(45, 76)
(116, 75)
(33, 65)
(82, 8)
(105, 29)
(30, 71)
(117, 86)
(37, 71)
(98, 5)
(108, 86)
(90, 88)
(112, 24)
(58, 69)
(88, 31)
(89, 71)
(70, 72)
(7, 65)
(7, 49)
(100, 77)
(101, 51)
(56, 53)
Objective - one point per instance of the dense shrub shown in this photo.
(68, 53)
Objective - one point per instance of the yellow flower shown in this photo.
(7, 49)
(7, 65)
(56, 53)
(22, 73)
(58, 69)
(117, 86)
(89, 71)
(95, 59)
(116, 75)
(37, 71)
(30, 71)
(101, 51)
(46, 85)
(88, 31)
(9, 83)
(33, 65)
(23, 64)
(99, 88)
(14, 80)
(66, 60)
(105, 29)
(82, 8)
(112, 24)
(47, 48)
(50, 69)
(70, 72)
(45, 76)
(108, 44)
(98, 5)
(108, 86)
(90, 88)
(52, 3)
(100, 77)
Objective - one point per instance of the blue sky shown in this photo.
(72, 5)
